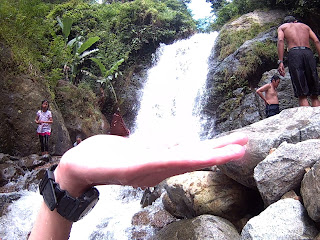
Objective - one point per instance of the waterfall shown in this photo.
(169, 107)
(172, 95)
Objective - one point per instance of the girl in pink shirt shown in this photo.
(44, 121)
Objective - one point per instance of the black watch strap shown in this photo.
(73, 209)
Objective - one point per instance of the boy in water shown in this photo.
(269, 95)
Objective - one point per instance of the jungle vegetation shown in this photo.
(83, 41)
(226, 10)
(46, 36)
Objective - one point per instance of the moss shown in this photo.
(230, 40)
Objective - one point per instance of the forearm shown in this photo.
(50, 225)
(280, 47)
(261, 95)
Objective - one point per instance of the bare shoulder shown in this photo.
(264, 88)
(283, 26)
(302, 25)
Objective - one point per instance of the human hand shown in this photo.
(109, 159)
(281, 69)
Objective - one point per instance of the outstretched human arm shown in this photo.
(128, 163)
(280, 47)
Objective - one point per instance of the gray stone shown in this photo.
(204, 227)
(291, 125)
(283, 170)
(206, 192)
(285, 219)
(310, 191)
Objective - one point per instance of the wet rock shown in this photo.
(6, 199)
(150, 195)
(4, 158)
(9, 172)
(148, 221)
(32, 161)
(80, 111)
(199, 228)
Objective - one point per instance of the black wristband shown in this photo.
(73, 209)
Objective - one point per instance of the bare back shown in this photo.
(296, 34)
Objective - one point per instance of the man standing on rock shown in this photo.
(301, 62)
(270, 96)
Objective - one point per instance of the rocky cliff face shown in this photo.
(21, 97)
(235, 72)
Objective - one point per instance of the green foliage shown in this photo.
(248, 65)
(230, 40)
(65, 26)
(80, 50)
(128, 30)
(226, 11)
(22, 31)
(108, 75)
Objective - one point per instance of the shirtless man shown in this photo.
(270, 96)
(301, 62)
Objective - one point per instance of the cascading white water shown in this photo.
(171, 96)
(169, 114)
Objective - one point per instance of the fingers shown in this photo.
(155, 172)
(233, 138)
(281, 70)
(105, 159)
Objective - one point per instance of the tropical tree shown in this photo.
(79, 50)
(108, 75)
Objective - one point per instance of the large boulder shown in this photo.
(199, 228)
(285, 219)
(310, 191)
(205, 192)
(291, 125)
(283, 170)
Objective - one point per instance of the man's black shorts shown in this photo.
(272, 110)
(303, 72)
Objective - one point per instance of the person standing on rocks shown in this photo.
(301, 62)
(44, 121)
(269, 95)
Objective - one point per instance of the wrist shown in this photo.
(68, 205)
(68, 182)
(280, 61)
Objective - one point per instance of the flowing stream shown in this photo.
(169, 113)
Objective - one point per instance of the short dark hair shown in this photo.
(79, 136)
(45, 100)
(275, 77)
(289, 19)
